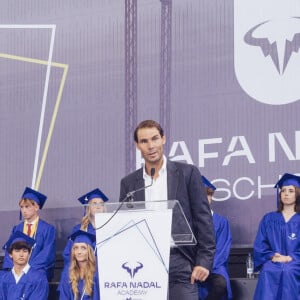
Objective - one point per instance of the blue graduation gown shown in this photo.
(43, 254)
(223, 245)
(67, 251)
(65, 290)
(277, 280)
(31, 286)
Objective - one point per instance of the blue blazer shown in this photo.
(185, 185)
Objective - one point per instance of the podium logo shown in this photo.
(132, 269)
(266, 49)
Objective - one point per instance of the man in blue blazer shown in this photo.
(180, 181)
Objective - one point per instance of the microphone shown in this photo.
(129, 196)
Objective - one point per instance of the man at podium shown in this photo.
(161, 179)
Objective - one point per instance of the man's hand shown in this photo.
(199, 273)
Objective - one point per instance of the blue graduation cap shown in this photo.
(96, 193)
(19, 236)
(36, 196)
(286, 179)
(81, 236)
(207, 183)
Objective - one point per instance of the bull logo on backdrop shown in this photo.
(132, 269)
(266, 49)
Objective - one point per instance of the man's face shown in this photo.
(20, 257)
(29, 210)
(150, 143)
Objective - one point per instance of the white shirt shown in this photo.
(24, 271)
(158, 191)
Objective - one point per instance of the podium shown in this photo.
(133, 247)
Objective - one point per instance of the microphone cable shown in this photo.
(128, 195)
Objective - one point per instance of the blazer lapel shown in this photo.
(172, 178)
(139, 183)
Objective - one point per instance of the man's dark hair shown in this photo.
(148, 124)
(18, 246)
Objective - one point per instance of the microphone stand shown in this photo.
(129, 197)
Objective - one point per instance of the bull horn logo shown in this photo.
(132, 269)
(279, 46)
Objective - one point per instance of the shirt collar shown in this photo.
(26, 268)
(33, 222)
(24, 271)
(162, 169)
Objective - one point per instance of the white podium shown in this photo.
(133, 248)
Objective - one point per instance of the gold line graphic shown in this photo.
(65, 68)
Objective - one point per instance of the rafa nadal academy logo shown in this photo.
(266, 49)
(132, 269)
(281, 48)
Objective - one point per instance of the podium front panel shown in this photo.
(133, 251)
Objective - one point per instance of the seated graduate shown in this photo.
(277, 245)
(22, 281)
(79, 280)
(43, 255)
(217, 285)
(94, 200)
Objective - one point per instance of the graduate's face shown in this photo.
(209, 198)
(288, 195)
(151, 145)
(29, 210)
(209, 194)
(80, 251)
(96, 205)
(20, 256)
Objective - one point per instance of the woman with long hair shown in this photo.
(79, 281)
(277, 245)
(93, 203)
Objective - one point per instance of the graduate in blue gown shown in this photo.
(277, 245)
(43, 255)
(93, 203)
(79, 280)
(22, 282)
(217, 285)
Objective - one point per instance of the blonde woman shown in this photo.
(79, 281)
(93, 203)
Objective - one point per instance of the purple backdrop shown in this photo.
(228, 103)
